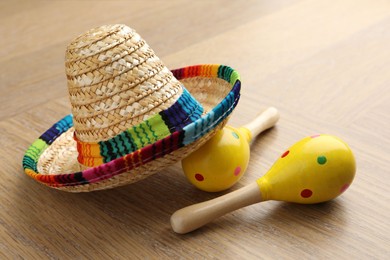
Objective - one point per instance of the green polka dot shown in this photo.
(321, 159)
(235, 135)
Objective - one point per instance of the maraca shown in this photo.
(316, 169)
(222, 161)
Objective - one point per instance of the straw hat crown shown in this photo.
(115, 82)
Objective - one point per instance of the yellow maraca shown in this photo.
(316, 169)
(222, 161)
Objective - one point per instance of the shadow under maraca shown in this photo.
(280, 218)
(309, 213)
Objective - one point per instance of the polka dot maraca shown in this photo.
(222, 161)
(316, 169)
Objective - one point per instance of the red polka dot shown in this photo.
(199, 177)
(314, 136)
(285, 154)
(306, 193)
(345, 186)
(237, 171)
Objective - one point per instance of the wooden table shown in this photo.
(324, 64)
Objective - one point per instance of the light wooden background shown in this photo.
(324, 64)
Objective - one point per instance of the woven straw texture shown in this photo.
(131, 116)
(52, 159)
(115, 81)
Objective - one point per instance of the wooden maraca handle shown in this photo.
(263, 121)
(195, 216)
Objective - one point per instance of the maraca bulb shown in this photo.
(315, 169)
(220, 162)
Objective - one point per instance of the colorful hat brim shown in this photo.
(99, 177)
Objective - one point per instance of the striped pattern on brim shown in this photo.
(177, 140)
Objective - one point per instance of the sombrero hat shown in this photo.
(131, 116)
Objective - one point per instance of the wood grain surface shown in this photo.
(324, 64)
